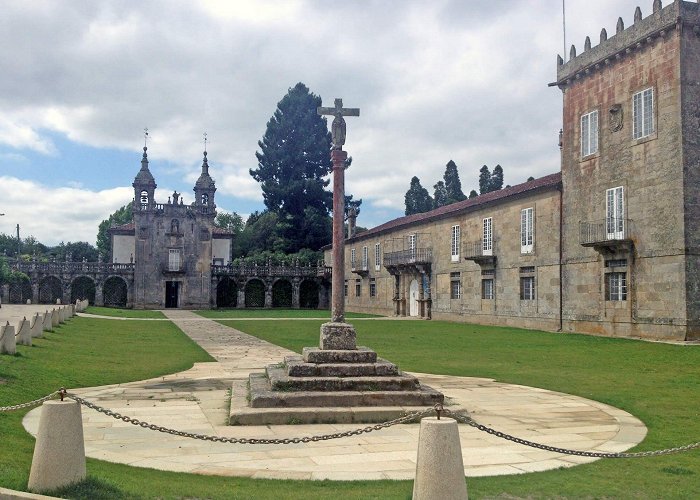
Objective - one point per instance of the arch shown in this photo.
(83, 287)
(50, 289)
(205, 199)
(115, 292)
(20, 291)
(226, 293)
(144, 197)
(413, 298)
(255, 293)
(282, 294)
(308, 294)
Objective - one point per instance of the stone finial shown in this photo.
(620, 26)
(656, 6)
(572, 52)
(603, 35)
(587, 44)
(637, 14)
(560, 61)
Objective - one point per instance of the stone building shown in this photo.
(608, 246)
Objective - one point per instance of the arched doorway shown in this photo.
(282, 294)
(20, 291)
(82, 288)
(50, 290)
(413, 298)
(226, 293)
(255, 293)
(308, 295)
(114, 292)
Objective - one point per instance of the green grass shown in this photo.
(275, 313)
(658, 383)
(124, 313)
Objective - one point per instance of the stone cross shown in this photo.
(338, 125)
(339, 157)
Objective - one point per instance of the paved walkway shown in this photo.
(197, 400)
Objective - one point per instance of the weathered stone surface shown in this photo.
(359, 355)
(297, 368)
(8, 342)
(279, 380)
(336, 336)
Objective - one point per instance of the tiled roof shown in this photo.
(220, 231)
(129, 226)
(548, 181)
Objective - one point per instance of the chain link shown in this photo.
(29, 404)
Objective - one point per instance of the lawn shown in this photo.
(275, 313)
(124, 313)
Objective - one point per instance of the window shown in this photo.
(144, 197)
(643, 113)
(487, 240)
(615, 213)
(616, 286)
(365, 259)
(455, 243)
(455, 285)
(345, 288)
(616, 263)
(526, 230)
(352, 259)
(377, 257)
(372, 287)
(205, 199)
(412, 245)
(174, 259)
(358, 288)
(589, 133)
(527, 288)
(487, 289)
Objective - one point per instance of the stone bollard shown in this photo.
(29, 302)
(24, 333)
(59, 451)
(54, 318)
(37, 327)
(8, 342)
(58, 302)
(439, 467)
(61, 314)
(47, 325)
(71, 310)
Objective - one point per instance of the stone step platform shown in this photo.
(280, 381)
(359, 355)
(296, 367)
(262, 395)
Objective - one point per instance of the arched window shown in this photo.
(144, 197)
(205, 199)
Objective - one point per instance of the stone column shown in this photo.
(268, 293)
(240, 300)
(35, 292)
(66, 287)
(99, 295)
(295, 293)
(5, 294)
(338, 250)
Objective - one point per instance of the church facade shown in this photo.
(610, 245)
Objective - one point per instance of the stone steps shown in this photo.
(296, 367)
(281, 381)
(359, 355)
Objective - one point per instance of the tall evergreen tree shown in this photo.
(496, 182)
(473, 194)
(484, 180)
(292, 163)
(417, 198)
(452, 183)
(440, 194)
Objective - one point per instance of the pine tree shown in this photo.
(496, 182)
(292, 163)
(417, 198)
(452, 183)
(484, 180)
(531, 178)
(440, 194)
(473, 194)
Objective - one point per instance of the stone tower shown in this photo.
(631, 176)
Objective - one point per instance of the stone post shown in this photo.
(8, 341)
(35, 293)
(5, 294)
(295, 293)
(99, 295)
(240, 301)
(59, 452)
(268, 294)
(24, 333)
(439, 466)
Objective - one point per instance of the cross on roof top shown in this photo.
(145, 137)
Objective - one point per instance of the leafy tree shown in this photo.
(440, 194)
(452, 183)
(484, 180)
(531, 178)
(417, 198)
(29, 246)
(293, 161)
(229, 221)
(75, 252)
(9, 275)
(496, 182)
(473, 194)
(123, 215)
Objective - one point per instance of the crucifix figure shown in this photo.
(338, 125)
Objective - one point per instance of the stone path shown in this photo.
(197, 400)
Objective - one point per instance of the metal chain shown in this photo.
(36, 402)
(593, 454)
(218, 439)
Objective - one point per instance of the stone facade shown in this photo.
(616, 246)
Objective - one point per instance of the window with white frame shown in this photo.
(352, 258)
(615, 213)
(487, 289)
(455, 243)
(412, 245)
(455, 286)
(487, 239)
(527, 288)
(372, 287)
(643, 113)
(365, 258)
(616, 286)
(377, 257)
(527, 230)
(174, 259)
(589, 133)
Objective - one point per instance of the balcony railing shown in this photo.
(475, 251)
(605, 233)
(410, 256)
(72, 267)
(270, 270)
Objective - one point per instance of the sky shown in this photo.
(436, 80)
